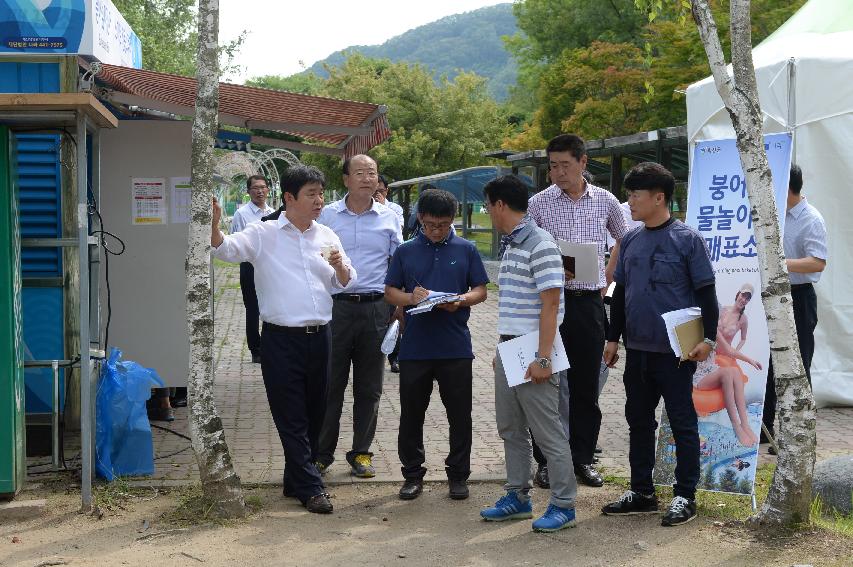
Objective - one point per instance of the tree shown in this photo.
(611, 81)
(789, 497)
(219, 481)
(435, 127)
(167, 30)
(728, 480)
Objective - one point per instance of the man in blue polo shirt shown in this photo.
(436, 345)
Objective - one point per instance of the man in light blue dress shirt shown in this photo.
(370, 233)
(804, 243)
(258, 190)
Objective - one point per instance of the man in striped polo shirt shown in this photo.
(530, 299)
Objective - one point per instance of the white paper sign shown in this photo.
(180, 203)
(586, 259)
(148, 200)
(517, 354)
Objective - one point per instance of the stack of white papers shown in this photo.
(673, 319)
(434, 298)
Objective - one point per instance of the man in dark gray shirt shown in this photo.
(662, 267)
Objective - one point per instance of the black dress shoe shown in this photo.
(411, 489)
(256, 358)
(598, 450)
(395, 367)
(319, 504)
(458, 489)
(586, 474)
(540, 479)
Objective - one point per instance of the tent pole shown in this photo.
(792, 106)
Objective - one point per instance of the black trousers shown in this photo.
(357, 333)
(250, 302)
(454, 377)
(582, 332)
(295, 367)
(805, 319)
(648, 377)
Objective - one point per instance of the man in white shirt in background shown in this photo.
(381, 196)
(298, 264)
(258, 190)
(804, 243)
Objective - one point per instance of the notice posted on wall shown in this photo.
(148, 201)
(180, 203)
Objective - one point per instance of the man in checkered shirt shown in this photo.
(574, 210)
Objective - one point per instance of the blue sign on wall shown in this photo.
(91, 28)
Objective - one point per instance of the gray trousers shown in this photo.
(357, 333)
(537, 407)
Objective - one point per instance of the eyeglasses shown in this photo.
(436, 225)
(258, 187)
(362, 173)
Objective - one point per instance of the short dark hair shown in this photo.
(298, 176)
(345, 167)
(253, 178)
(509, 189)
(795, 181)
(567, 143)
(383, 180)
(437, 203)
(651, 176)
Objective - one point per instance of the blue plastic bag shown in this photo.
(123, 441)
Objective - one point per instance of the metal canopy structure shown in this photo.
(324, 125)
(667, 146)
(82, 116)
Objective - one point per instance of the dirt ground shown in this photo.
(371, 526)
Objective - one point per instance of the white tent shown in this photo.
(805, 80)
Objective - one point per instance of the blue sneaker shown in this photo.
(508, 507)
(555, 518)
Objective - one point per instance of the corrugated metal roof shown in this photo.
(354, 127)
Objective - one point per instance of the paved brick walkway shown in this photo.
(257, 452)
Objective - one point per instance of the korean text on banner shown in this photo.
(718, 207)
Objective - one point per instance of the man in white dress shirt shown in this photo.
(298, 263)
(258, 190)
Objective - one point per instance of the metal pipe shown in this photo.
(54, 450)
(86, 414)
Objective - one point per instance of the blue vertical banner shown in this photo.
(728, 388)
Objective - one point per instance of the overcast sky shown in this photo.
(283, 33)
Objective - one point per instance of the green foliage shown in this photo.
(168, 32)
(304, 83)
(435, 127)
(469, 42)
(618, 74)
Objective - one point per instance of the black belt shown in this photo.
(582, 292)
(800, 286)
(359, 297)
(308, 330)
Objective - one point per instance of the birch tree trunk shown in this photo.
(218, 479)
(790, 494)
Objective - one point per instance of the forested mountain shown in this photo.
(470, 42)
